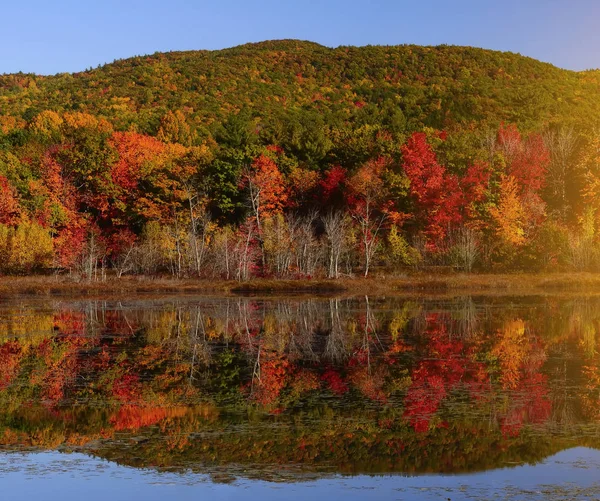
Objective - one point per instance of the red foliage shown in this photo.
(119, 241)
(275, 149)
(335, 382)
(126, 389)
(69, 243)
(422, 168)
(135, 150)
(333, 184)
(60, 197)
(436, 193)
(443, 201)
(273, 378)
(11, 354)
(447, 365)
(527, 160)
(475, 181)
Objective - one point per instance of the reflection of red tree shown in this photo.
(60, 367)
(116, 323)
(304, 381)
(447, 365)
(368, 376)
(589, 391)
(531, 405)
(334, 381)
(126, 388)
(273, 378)
(70, 323)
(10, 360)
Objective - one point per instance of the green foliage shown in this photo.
(551, 246)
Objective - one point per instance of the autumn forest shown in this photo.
(288, 159)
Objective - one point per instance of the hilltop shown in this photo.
(439, 86)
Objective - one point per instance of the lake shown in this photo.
(468, 397)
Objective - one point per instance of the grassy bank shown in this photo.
(410, 284)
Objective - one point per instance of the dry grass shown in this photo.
(420, 284)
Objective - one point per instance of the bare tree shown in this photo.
(243, 252)
(124, 262)
(93, 256)
(254, 203)
(200, 229)
(306, 246)
(370, 225)
(561, 144)
(336, 229)
(278, 240)
(490, 144)
(465, 251)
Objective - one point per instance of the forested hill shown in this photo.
(291, 159)
(404, 86)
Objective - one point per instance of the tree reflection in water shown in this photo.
(315, 385)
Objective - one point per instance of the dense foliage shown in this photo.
(290, 159)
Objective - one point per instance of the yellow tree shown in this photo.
(175, 129)
(590, 165)
(509, 215)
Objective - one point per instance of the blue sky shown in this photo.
(46, 36)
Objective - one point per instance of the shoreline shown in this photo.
(414, 284)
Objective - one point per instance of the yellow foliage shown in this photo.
(46, 123)
(29, 326)
(161, 326)
(78, 120)
(175, 129)
(509, 214)
(9, 123)
(24, 248)
(511, 351)
(400, 251)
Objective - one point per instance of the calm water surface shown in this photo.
(370, 398)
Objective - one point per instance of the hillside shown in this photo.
(432, 86)
(293, 160)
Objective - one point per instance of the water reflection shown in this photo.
(284, 388)
(53, 476)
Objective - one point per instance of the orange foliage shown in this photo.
(265, 177)
(273, 377)
(136, 154)
(509, 214)
(9, 206)
(132, 417)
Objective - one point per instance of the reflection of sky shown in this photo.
(54, 476)
(72, 35)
